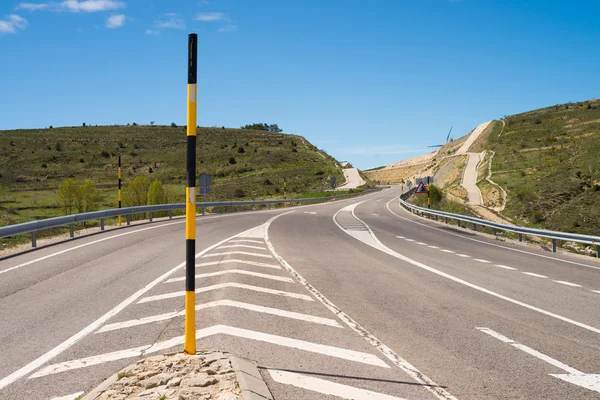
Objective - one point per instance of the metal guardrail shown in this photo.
(34, 226)
(520, 230)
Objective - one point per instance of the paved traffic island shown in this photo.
(208, 375)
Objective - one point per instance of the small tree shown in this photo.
(232, 160)
(136, 193)
(151, 123)
(67, 193)
(435, 194)
(241, 150)
(173, 125)
(83, 124)
(156, 193)
(87, 197)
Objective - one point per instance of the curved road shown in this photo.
(349, 299)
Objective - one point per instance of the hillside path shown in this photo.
(469, 179)
(472, 137)
(353, 179)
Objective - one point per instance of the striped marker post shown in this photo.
(189, 343)
(119, 193)
(284, 192)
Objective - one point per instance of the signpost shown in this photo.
(189, 341)
(422, 188)
(332, 184)
(284, 192)
(205, 181)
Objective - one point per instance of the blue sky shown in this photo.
(372, 82)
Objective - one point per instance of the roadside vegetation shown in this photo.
(56, 171)
(548, 162)
(440, 201)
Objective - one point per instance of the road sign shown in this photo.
(332, 182)
(205, 181)
(426, 181)
(421, 188)
(409, 184)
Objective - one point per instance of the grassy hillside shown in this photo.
(548, 161)
(245, 163)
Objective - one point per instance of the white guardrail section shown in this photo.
(34, 226)
(520, 230)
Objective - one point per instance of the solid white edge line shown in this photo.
(222, 303)
(504, 267)
(486, 243)
(401, 363)
(38, 362)
(326, 387)
(471, 285)
(235, 271)
(332, 351)
(72, 396)
(219, 286)
(529, 350)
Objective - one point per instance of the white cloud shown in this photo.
(210, 16)
(228, 28)
(115, 21)
(75, 6)
(12, 23)
(172, 22)
(152, 32)
(32, 7)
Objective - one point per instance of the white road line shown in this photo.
(596, 291)
(504, 266)
(481, 261)
(242, 245)
(398, 361)
(331, 351)
(573, 376)
(534, 274)
(400, 237)
(237, 252)
(568, 283)
(38, 362)
(68, 397)
(409, 240)
(235, 261)
(326, 387)
(463, 255)
(433, 247)
(486, 243)
(246, 241)
(381, 247)
(422, 244)
(235, 271)
(222, 303)
(447, 251)
(529, 350)
(227, 285)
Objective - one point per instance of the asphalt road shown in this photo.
(351, 299)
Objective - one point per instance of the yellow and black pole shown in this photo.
(284, 192)
(428, 196)
(119, 193)
(189, 343)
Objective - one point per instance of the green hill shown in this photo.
(245, 164)
(548, 161)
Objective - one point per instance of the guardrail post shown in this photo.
(436, 217)
(72, 230)
(458, 221)
(33, 243)
(170, 214)
(101, 224)
(150, 216)
(554, 245)
(598, 251)
(520, 237)
(475, 227)
(494, 231)
(446, 219)
(128, 219)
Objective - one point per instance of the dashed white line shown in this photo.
(463, 255)
(481, 261)
(534, 274)
(596, 291)
(422, 244)
(235, 261)
(504, 266)
(409, 240)
(447, 251)
(326, 387)
(400, 237)
(227, 285)
(331, 351)
(221, 303)
(568, 283)
(247, 246)
(237, 252)
(433, 247)
(235, 271)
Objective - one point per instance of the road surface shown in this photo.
(350, 299)
(469, 179)
(353, 179)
